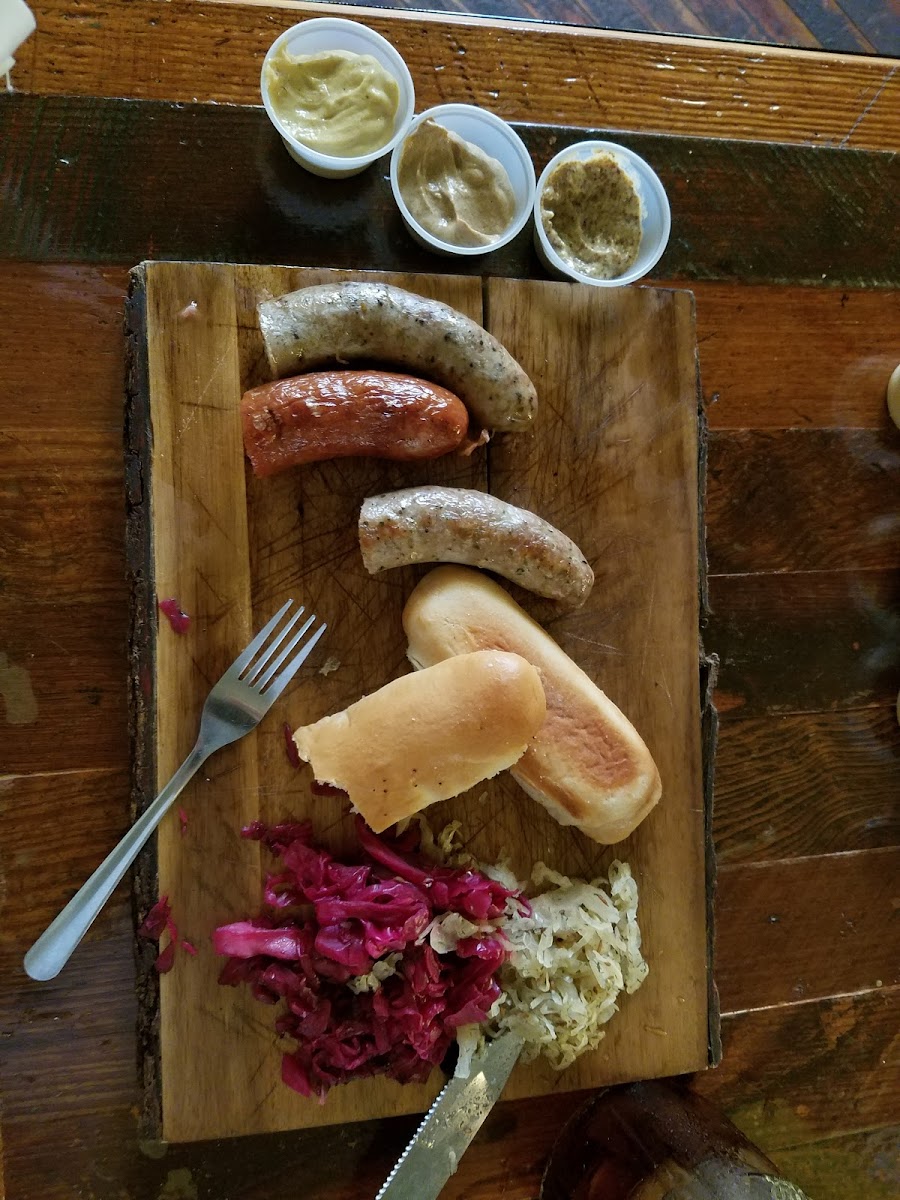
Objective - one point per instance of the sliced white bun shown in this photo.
(427, 736)
(587, 765)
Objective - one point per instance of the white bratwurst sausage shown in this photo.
(458, 525)
(349, 322)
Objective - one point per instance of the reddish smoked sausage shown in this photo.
(338, 414)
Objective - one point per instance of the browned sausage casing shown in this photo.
(459, 525)
(336, 414)
(333, 323)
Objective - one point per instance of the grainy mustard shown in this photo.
(592, 215)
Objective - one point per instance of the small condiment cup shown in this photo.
(491, 134)
(335, 33)
(16, 24)
(656, 216)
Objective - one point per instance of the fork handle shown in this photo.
(54, 947)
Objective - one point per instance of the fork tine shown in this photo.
(246, 656)
(255, 669)
(287, 674)
(260, 682)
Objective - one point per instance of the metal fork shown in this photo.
(236, 704)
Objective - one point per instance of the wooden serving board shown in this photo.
(613, 461)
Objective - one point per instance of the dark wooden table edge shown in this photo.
(709, 722)
(142, 631)
(142, 636)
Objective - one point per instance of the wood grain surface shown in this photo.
(821, 783)
(809, 761)
(233, 551)
(781, 213)
(765, 802)
(805, 641)
(820, 24)
(523, 72)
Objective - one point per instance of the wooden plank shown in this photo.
(786, 357)
(791, 786)
(864, 1161)
(878, 23)
(792, 1074)
(803, 500)
(770, 908)
(249, 202)
(62, 680)
(800, 23)
(45, 872)
(60, 665)
(319, 558)
(774, 22)
(61, 499)
(829, 22)
(815, 641)
(70, 320)
(200, 544)
(68, 1045)
(214, 52)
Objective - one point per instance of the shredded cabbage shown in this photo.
(381, 963)
(577, 950)
(382, 969)
(377, 962)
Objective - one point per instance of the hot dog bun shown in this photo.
(427, 736)
(587, 765)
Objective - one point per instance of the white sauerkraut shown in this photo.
(572, 957)
(382, 969)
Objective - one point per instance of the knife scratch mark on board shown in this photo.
(647, 622)
(665, 687)
(577, 637)
(865, 112)
(195, 405)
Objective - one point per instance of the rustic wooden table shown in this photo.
(791, 251)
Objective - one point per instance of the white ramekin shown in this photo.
(16, 24)
(656, 217)
(491, 134)
(334, 33)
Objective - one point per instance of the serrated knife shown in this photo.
(451, 1123)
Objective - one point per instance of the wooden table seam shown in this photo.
(890, 989)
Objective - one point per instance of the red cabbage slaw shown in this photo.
(330, 926)
(176, 616)
(157, 922)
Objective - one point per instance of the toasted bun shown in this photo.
(587, 764)
(427, 736)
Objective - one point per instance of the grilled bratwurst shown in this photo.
(374, 322)
(458, 525)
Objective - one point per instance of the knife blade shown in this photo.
(451, 1123)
